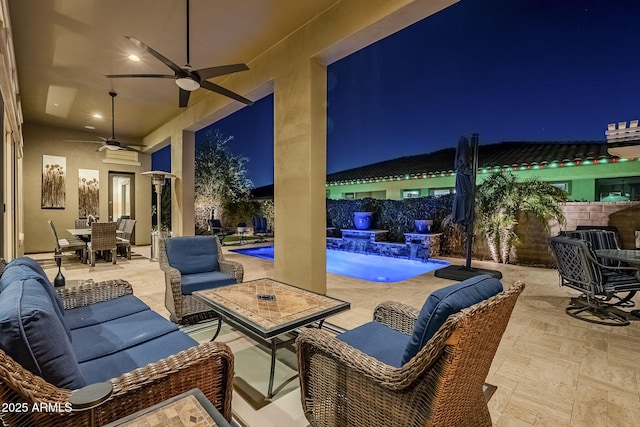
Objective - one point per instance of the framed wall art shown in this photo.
(88, 193)
(54, 171)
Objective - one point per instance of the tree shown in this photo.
(220, 177)
(501, 199)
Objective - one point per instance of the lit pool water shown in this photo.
(374, 268)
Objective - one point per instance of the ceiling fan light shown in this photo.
(187, 83)
(112, 147)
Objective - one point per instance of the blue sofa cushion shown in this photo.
(28, 268)
(118, 334)
(200, 281)
(193, 254)
(32, 334)
(116, 364)
(444, 302)
(103, 311)
(378, 341)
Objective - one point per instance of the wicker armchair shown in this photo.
(182, 306)
(208, 367)
(442, 385)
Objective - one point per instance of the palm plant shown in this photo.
(500, 200)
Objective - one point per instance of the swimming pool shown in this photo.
(374, 268)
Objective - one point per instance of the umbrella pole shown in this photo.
(469, 226)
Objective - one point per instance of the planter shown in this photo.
(423, 226)
(362, 220)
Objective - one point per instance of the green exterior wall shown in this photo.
(581, 180)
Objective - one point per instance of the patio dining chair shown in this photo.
(598, 284)
(103, 238)
(69, 244)
(123, 242)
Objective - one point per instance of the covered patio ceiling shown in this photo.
(64, 48)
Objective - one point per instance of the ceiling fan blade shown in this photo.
(207, 73)
(166, 61)
(83, 140)
(152, 76)
(184, 98)
(226, 92)
(130, 148)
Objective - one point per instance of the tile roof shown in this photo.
(505, 154)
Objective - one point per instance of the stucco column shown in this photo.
(300, 174)
(182, 187)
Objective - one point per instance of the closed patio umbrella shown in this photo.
(466, 165)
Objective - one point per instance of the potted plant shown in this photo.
(423, 226)
(362, 220)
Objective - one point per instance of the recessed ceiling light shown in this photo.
(90, 127)
(55, 104)
(97, 115)
(134, 58)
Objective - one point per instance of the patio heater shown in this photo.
(157, 179)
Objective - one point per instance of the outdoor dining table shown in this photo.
(629, 256)
(86, 231)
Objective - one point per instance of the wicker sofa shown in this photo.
(409, 367)
(53, 342)
(193, 263)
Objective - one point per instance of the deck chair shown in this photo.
(103, 238)
(217, 230)
(409, 367)
(598, 284)
(260, 228)
(69, 244)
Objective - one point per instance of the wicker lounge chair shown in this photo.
(442, 385)
(201, 256)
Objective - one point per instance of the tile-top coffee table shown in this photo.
(266, 308)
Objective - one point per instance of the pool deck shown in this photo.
(550, 369)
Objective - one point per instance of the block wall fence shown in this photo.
(533, 248)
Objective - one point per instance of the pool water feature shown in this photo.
(374, 268)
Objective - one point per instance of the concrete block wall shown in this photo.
(533, 248)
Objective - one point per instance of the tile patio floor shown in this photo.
(550, 369)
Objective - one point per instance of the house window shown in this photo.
(349, 196)
(410, 194)
(563, 185)
(441, 191)
(618, 189)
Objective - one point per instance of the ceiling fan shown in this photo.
(111, 143)
(186, 77)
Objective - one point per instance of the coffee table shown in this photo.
(187, 409)
(266, 308)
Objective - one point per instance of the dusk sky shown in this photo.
(526, 70)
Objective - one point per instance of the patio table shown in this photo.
(266, 309)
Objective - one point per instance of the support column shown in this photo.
(182, 187)
(299, 175)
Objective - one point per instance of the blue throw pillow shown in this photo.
(24, 268)
(444, 302)
(193, 254)
(32, 334)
